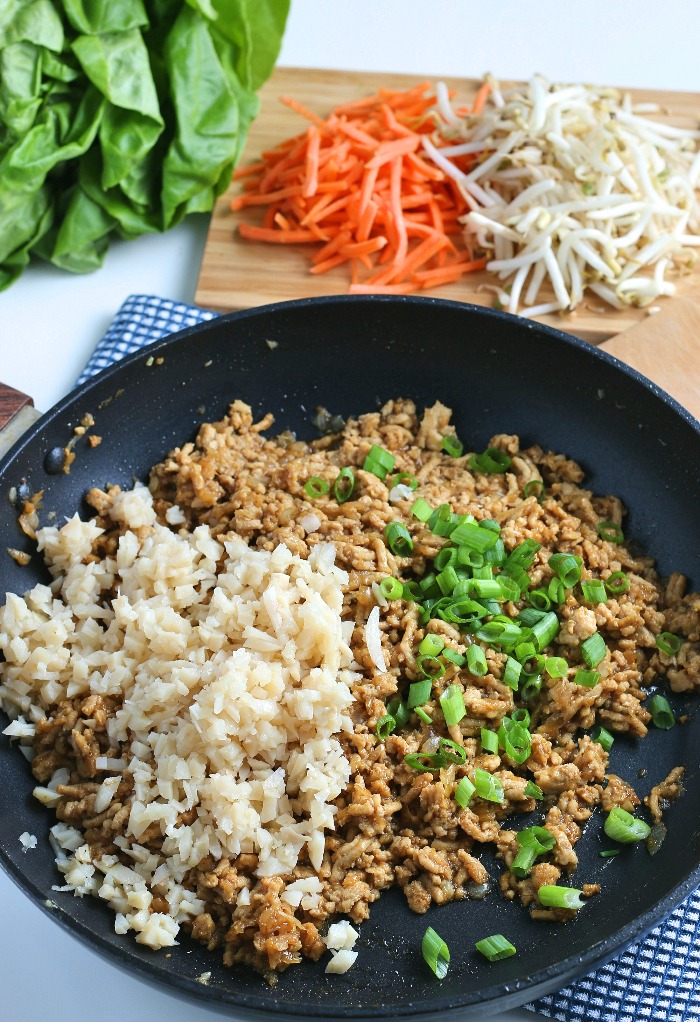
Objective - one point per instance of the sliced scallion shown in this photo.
(611, 532)
(567, 567)
(452, 445)
(492, 460)
(593, 591)
(344, 485)
(534, 488)
(436, 952)
(496, 947)
(511, 673)
(398, 538)
(425, 717)
(421, 510)
(463, 792)
(587, 679)
(617, 583)
(454, 657)
(487, 786)
(489, 740)
(623, 827)
(418, 693)
(668, 643)
(404, 479)
(602, 737)
(379, 462)
(556, 666)
(476, 661)
(391, 588)
(593, 649)
(553, 896)
(532, 790)
(316, 487)
(386, 725)
(452, 751)
(424, 762)
(452, 703)
(661, 713)
(431, 644)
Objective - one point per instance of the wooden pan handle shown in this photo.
(11, 401)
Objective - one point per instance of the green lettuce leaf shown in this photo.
(120, 118)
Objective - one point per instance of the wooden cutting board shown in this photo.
(237, 274)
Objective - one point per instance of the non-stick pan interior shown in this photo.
(500, 374)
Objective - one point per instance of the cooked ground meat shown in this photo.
(396, 824)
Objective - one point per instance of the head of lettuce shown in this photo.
(120, 117)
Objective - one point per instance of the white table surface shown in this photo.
(50, 321)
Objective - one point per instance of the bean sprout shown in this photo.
(573, 188)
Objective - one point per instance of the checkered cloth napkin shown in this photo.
(658, 978)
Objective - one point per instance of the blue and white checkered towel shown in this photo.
(658, 978)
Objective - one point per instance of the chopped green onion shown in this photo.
(668, 643)
(489, 740)
(447, 580)
(498, 632)
(430, 666)
(451, 751)
(431, 644)
(545, 630)
(495, 948)
(594, 591)
(452, 445)
(490, 523)
(587, 679)
(378, 461)
(525, 650)
(511, 673)
(567, 567)
(523, 555)
(602, 737)
(492, 460)
(399, 711)
(411, 591)
(609, 853)
(424, 761)
(442, 521)
(476, 661)
(523, 862)
(533, 791)
(421, 510)
(419, 693)
(593, 649)
(484, 588)
(453, 656)
(534, 488)
(515, 740)
(463, 792)
(463, 611)
(518, 575)
(510, 590)
(533, 665)
(404, 479)
(452, 703)
(316, 487)
(617, 583)
(497, 553)
(521, 716)
(531, 688)
(445, 558)
(487, 786)
(428, 585)
(539, 599)
(661, 712)
(611, 532)
(436, 952)
(398, 538)
(556, 591)
(529, 615)
(425, 717)
(473, 536)
(556, 666)
(391, 588)
(537, 837)
(344, 485)
(552, 896)
(386, 725)
(623, 827)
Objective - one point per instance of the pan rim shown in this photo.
(487, 999)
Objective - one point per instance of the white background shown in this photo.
(50, 321)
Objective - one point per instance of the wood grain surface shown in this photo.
(11, 401)
(237, 274)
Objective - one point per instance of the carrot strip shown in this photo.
(290, 237)
(480, 98)
(359, 187)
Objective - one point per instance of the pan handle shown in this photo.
(17, 413)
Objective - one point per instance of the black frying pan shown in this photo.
(500, 374)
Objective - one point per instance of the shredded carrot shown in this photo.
(359, 185)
